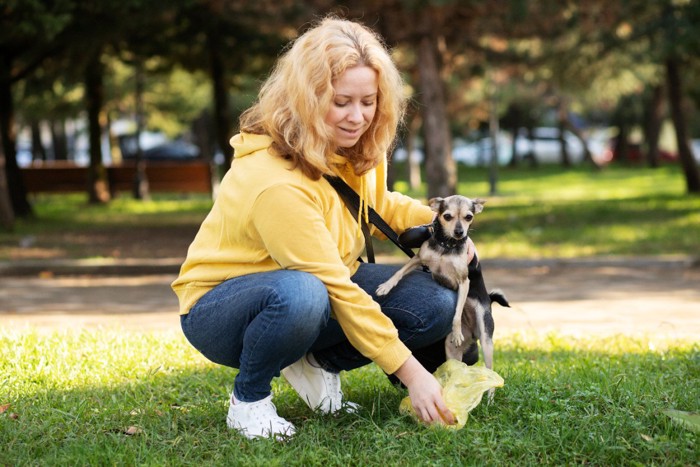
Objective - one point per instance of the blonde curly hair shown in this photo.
(294, 100)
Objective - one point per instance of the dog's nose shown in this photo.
(459, 231)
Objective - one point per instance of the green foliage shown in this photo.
(74, 397)
(172, 97)
(550, 212)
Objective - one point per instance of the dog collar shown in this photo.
(451, 243)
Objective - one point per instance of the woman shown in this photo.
(272, 280)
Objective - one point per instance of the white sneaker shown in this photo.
(258, 420)
(320, 389)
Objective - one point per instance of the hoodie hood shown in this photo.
(244, 144)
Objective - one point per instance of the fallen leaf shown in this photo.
(14, 416)
(3, 408)
(647, 438)
(133, 430)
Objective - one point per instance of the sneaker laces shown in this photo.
(319, 388)
(259, 419)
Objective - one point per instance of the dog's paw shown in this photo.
(457, 338)
(384, 288)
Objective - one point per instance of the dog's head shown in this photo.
(455, 214)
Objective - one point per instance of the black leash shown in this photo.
(352, 202)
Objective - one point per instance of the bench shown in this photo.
(64, 177)
(183, 177)
(58, 177)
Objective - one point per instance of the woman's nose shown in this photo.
(355, 113)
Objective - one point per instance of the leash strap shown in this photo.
(352, 202)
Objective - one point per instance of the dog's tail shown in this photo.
(498, 297)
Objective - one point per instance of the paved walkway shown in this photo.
(633, 297)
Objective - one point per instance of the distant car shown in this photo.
(479, 153)
(401, 154)
(175, 150)
(545, 145)
(695, 147)
(169, 151)
(546, 148)
(636, 154)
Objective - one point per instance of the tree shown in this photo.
(7, 215)
(230, 41)
(682, 43)
(29, 30)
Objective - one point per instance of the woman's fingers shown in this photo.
(436, 412)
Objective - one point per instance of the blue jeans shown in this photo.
(261, 323)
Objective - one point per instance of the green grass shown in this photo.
(73, 212)
(537, 213)
(73, 395)
(550, 212)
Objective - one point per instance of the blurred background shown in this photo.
(98, 85)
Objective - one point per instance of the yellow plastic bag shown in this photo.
(462, 388)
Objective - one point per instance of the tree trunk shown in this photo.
(59, 140)
(675, 100)
(561, 124)
(13, 177)
(222, 117)
(587, 156)
(652, 124)
(98, 191)
(513, 123)
(413, 165)
(7, 215)
(141, 188)
(38, 149)
(441, 173)
(531, 156)
(621, 146)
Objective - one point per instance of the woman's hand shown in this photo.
(425, 393)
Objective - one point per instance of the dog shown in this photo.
(445, 254)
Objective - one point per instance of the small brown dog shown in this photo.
(445, 254)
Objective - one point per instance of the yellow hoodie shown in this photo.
(269, 216)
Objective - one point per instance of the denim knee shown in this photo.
(305, 298)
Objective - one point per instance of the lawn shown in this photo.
(547, 212)
(109, 398)
(550, 212)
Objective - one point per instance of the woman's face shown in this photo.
(353, 106)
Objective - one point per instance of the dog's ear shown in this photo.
(435, 204)
(478, 205)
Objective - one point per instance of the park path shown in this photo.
(632, 297)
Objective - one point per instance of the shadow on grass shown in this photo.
(564, 405)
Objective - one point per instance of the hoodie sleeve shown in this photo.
(290, 222)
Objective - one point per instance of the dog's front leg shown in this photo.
(457, 337)
(386, 287)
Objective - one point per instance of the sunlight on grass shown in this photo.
(549, 212)
(544, 213)
(54, 207)
(70, 397)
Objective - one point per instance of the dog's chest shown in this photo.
(447, 270)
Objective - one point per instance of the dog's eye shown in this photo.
(447, 217)
(469, 217)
